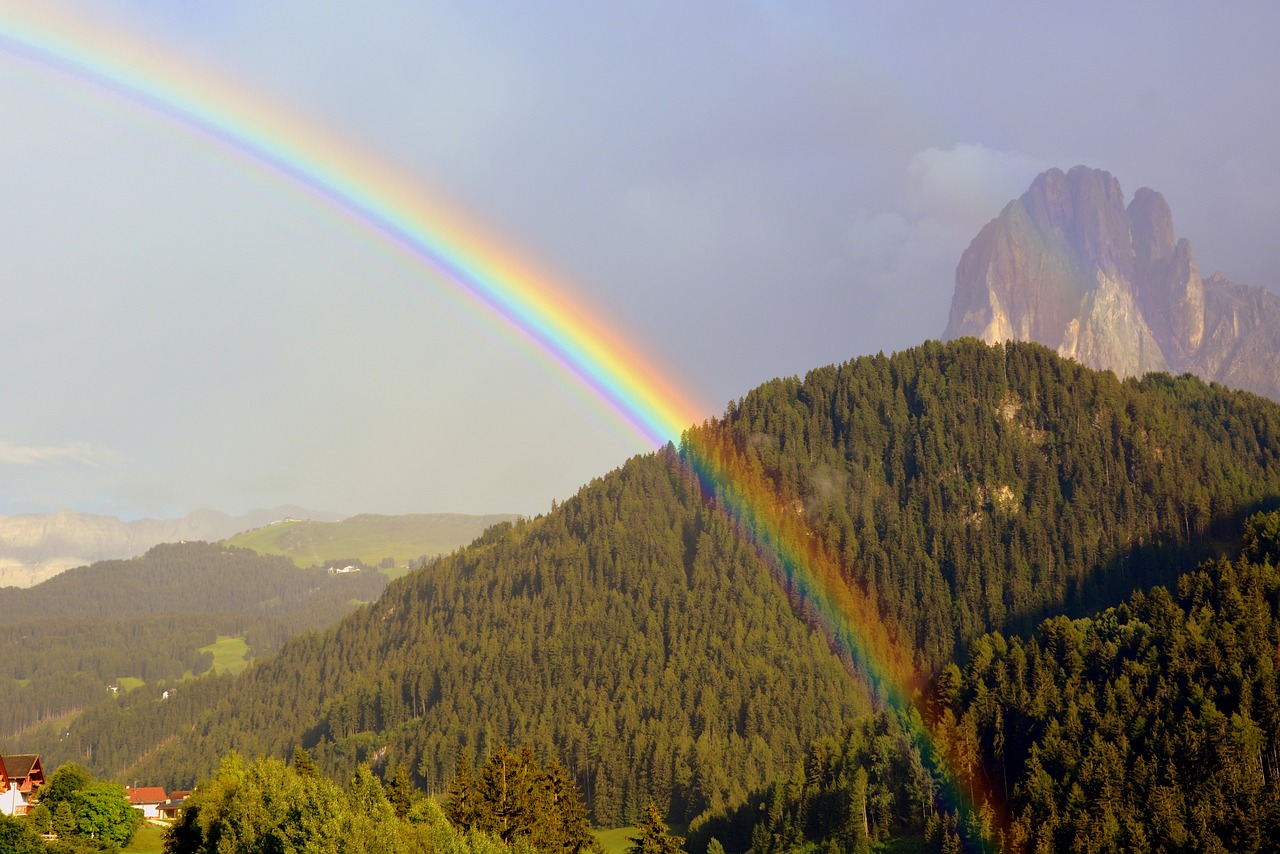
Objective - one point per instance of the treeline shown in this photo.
(189, 578)
(52, 667)
(152, 648)
(515, 804)
(111, 738)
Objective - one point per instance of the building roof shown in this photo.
(146, 795)
(172, 805)
(23, 770)
(20, 764)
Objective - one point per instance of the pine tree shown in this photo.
(654, 838)
(461, 795)
(303, 764)
(400, 792)
(568, 828)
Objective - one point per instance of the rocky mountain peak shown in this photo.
(1068, 265)
(1085, 208)
(1151, 228)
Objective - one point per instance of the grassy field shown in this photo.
(128, 683)
(368, 538)
(230, 655)
(615, 840)
(147, 840)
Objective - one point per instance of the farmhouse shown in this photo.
(21, 774)
(169, 809)
(148, 799)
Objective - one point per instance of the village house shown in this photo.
(169, 809)
(148, 799)
(21, 774)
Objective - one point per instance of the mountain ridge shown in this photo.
(35, 547)
(1070, 266)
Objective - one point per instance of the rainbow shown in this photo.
(396, 209)
(390, 204)
(813, 580)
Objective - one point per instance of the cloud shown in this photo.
(906, 256)
(81, 453)
(967, 183)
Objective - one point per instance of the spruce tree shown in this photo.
(654, 837)
(400, 792)
(303, 764)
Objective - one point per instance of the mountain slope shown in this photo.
(634, 632)
(630, 631)
(115, 623)
(1150, 726)
(1068, 265)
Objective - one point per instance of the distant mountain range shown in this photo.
(1068, 265)
(39, 546)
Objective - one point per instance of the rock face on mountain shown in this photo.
(1068, 265)
(35, 547)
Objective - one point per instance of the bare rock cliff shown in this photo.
(1070, 266)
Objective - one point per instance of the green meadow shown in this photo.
(230, 654)
(147, 839)
(615, 840)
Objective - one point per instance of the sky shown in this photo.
(741, 190)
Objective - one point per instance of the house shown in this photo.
(169, 809)
(148, 799)
(21, 774)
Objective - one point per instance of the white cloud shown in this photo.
(82, 453)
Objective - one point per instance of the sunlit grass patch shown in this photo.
(230, 654)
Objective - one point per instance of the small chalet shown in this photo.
(21, 774)
(148, 799)
(169, 809)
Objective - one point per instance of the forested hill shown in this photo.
(971, 488)
(146, 621)
(1150, 726)
(636, 634)
(172, 578)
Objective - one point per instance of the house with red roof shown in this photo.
(21, 774)
(148, 799)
